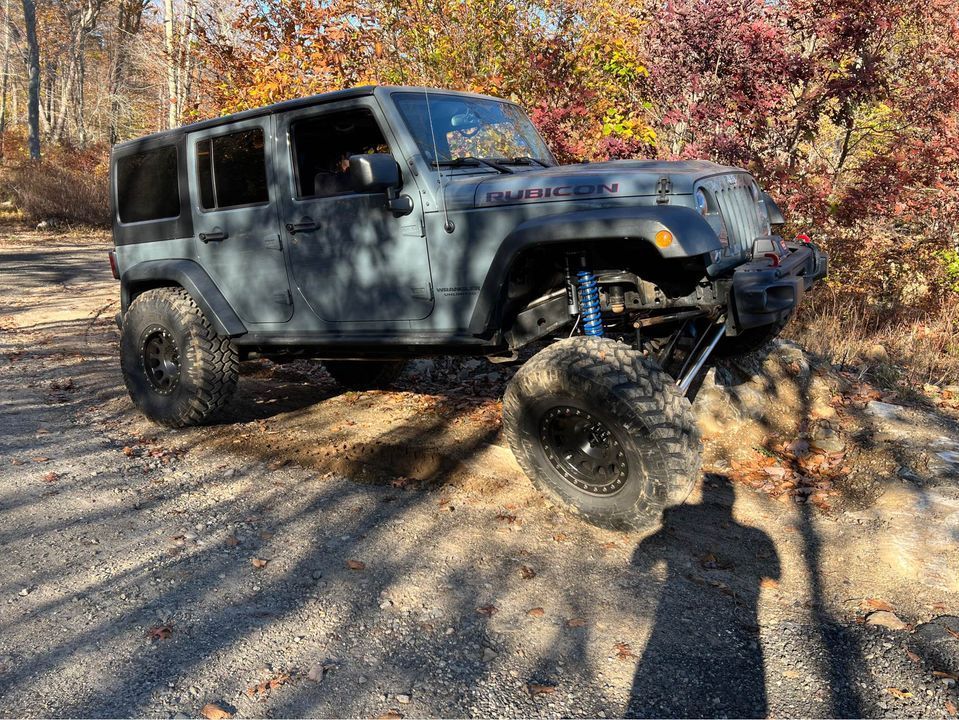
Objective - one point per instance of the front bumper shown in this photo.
(769, 287)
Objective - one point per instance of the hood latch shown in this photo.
(663, 188)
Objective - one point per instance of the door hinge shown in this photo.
(273, 242)
(663, 188)
(283, 298)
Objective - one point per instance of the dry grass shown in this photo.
(895, 348)
(68, 186)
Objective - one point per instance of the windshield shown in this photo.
(465, 127)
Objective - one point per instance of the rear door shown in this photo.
(232, 191)
(351, 258)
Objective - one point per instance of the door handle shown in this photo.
(214, 234)
(305, 225)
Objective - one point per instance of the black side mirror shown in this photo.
(380, 173)
(374, 173)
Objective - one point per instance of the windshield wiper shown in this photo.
(470, 161)
(523, 160)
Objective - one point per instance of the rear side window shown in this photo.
(231, 170)
(147, 185)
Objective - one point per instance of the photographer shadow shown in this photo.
(704, 657)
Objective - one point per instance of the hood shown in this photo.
(613, 179)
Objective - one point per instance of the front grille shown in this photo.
(736, 204)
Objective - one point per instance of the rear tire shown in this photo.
(365, 374)
(177, 370)
(603, 432)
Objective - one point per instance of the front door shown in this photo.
(351, 258)
(235, 220)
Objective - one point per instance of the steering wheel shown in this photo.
(469, 131)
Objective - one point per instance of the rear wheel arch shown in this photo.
(188, 275)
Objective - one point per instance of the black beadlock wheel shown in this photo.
(603, 431)
(365, 374)
(177, 370)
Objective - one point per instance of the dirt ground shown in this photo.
(380, 554)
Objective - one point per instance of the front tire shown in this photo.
(178, 371)
(365, 374)
(604, 432)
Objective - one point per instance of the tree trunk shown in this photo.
(6, 70)
(33, 66)
(169, 43)
(129, 17)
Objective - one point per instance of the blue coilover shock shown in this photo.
(589, 304)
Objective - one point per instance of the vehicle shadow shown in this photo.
(704, 657)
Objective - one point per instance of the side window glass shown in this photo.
(147, 185)
(322, 147)
(231, 170)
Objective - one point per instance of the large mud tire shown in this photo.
(365, 374)
(751, 340)
(178, 371)
(648, 430)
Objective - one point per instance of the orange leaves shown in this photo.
(214, 711)
(259, 563)
(356, 565)
(487, 610)
(262, 689)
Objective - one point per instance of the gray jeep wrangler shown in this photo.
(371, 225)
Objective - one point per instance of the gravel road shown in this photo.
(251, 565)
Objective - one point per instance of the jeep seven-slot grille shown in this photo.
(739, 213)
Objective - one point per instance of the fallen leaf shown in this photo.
(769, 583)
(536, 612)
(947, 675)
(901, 694)
(528, 572)
(538, 689)
(261, 690)
(160, 632)
(212, 711)
(50, 477)
(912, 656)
(624, 651)
(390, 715)
(560, 537)
(952, 632)
(576, 622)
(951, 707)
(231, 541)
(876, 604)
(356, 565)
(40, 459)
(487, 610)
(259, 563)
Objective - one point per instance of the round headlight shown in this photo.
(701, 205)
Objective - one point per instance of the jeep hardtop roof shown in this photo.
(333, 96)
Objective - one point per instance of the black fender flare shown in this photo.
(692, 236)
(192, 278)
